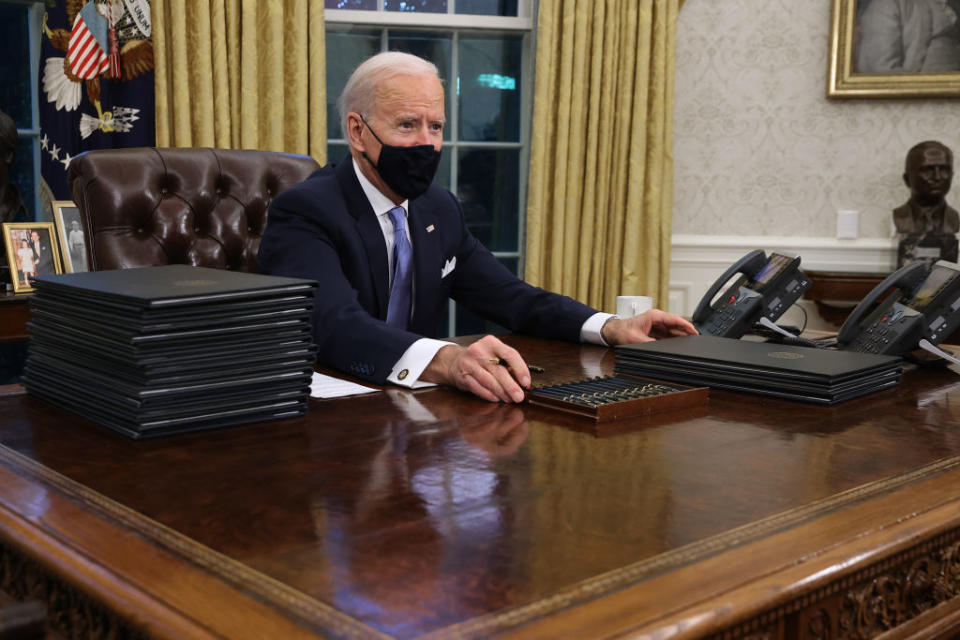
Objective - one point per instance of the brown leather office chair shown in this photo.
(205, 207)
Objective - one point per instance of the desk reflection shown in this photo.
(425, 518)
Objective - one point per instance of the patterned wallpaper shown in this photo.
(758, 148)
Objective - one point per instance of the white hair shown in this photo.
(360, 92)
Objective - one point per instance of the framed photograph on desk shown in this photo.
(73, 240)
(894, 49)
(31, 251)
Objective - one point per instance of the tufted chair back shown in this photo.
(205, 207)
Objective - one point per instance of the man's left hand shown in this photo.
(648, 326)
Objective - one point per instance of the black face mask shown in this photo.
(407, 170)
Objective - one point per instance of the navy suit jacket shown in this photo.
(324, 229)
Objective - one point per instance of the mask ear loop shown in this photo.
(370, 129)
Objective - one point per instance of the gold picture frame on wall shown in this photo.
(882, 52)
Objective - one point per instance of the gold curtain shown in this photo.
(241, 74)
(601, 161)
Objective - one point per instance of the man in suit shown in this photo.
(42, 253)
(389, 248)
(908, 36)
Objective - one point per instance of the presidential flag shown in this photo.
(96, 79)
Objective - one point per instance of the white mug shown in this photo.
(629, 306)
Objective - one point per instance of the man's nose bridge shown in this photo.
(423, 134)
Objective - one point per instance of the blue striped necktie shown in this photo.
(398, 309)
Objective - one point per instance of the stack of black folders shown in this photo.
(162, 350)
(782, 371)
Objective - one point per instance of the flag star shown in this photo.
(55, 152)
(66, 161)
(43, 142)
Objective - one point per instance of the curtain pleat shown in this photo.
(601, 166)
(241, 74)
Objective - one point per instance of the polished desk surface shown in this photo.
(400, 514)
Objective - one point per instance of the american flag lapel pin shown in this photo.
(430, 228)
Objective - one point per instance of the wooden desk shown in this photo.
(435, 515)
(14, 314)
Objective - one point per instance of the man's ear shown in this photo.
(906, 178)
(354, 130)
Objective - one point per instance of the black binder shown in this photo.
(172, 285)
(783, 371)
(169, 349)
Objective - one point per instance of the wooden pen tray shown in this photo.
(618, 396)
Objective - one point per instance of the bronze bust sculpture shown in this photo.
(926, 225)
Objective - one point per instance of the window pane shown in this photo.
(488, 186)
(23, 175)
(346, 49)
(487, 7)
(15, 91)
(435, 47)
(489, 87)
(423, 6)
(365, 5)
(442, 179)
(337, 153)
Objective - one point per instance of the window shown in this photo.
(482, 49)
(19, 56)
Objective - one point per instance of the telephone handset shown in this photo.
(766, 288)
(927, 306)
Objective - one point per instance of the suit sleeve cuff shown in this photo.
(408, 369)
(590, 331)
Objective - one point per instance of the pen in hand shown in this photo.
(532, 367)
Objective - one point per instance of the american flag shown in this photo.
(89, 43)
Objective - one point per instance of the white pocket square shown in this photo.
(448, 267)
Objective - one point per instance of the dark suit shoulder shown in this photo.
(321, 181)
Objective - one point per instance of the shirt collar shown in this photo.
(381, 204)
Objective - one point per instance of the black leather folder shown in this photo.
(783, 371)
(172, 285)
(174, 348)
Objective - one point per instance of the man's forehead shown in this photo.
(933, 156)
(413, 90)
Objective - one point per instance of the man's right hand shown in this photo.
(475, 369)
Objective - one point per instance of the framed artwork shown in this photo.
(31, 251)
(894, 49)
(73, 240)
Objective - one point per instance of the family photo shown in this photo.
(31, 251)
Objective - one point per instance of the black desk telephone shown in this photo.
(766, 288)
(926, 305)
